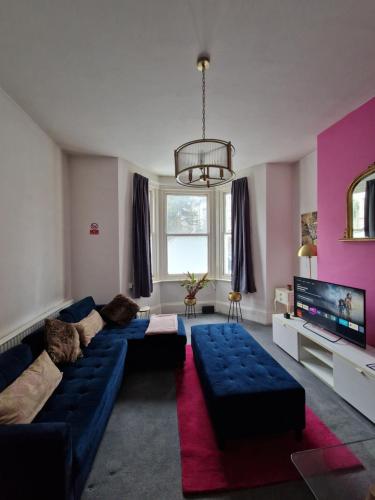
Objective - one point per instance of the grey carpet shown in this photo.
(139, 456)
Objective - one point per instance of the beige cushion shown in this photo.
(88, 327)
(62, 341)
(25, 397)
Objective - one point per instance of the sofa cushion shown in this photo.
(86, 394)
(13, 363)
(121, 310)
(23, 398)
(62, 341)
(89, 326)
(78, 310)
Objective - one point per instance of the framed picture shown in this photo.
(309, 224)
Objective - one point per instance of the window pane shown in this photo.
(186, 214)
(228, 213)
(187, 253)
(227, 254)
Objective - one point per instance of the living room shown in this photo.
(91, 94)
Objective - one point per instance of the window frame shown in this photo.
(164, 235)
(224, 232)
(154, 230)
(220, 241)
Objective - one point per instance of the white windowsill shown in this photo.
(178, 280)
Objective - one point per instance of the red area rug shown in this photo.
(243, 464)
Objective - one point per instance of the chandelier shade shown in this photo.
(204, 163)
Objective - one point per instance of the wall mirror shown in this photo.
(360, 203)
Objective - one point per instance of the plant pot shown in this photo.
(234, 296)
(190, 302)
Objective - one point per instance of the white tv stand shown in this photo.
(340, 365)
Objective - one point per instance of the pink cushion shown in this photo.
(162, 323)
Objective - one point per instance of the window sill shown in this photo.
(182, 278)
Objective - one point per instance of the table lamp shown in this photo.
(308, 250)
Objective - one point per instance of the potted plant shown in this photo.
(192, 285)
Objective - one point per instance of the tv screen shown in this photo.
(337, 308)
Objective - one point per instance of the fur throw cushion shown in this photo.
(121, 310)
(62, 341)
(88, 327)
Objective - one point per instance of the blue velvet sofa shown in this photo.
(51, 458)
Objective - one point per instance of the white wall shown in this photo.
(280, 231)
(94, 198)
(33, 209)
(306, 200)
(125, 194)
(101, 191)
(254, 304)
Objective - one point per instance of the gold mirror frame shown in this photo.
(348, 235)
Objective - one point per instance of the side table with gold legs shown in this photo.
(234, 305)
(144, 312)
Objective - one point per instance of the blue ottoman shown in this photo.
(247, 392)
(150, 351)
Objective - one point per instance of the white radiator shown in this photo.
(15, 337)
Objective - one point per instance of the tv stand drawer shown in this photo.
(285, 337)
(355, 385)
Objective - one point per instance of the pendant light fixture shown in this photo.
(204, 163)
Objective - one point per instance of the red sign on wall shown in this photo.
(94, 228)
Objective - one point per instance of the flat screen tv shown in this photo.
(336, 308)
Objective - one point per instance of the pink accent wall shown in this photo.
(344, 150)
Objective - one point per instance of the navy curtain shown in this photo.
(370, 209)
(142, 272)
(242, 261)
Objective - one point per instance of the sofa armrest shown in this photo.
(35, 461)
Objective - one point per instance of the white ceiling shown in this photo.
(118, 77)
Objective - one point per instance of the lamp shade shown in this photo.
(308, 250)
(204, 163)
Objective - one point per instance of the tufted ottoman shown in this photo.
(247, 392)
(153, 351)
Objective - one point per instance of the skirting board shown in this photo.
(15, 336)
(257, 315)
(155, 309)
(179, 307)
(249, 313)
